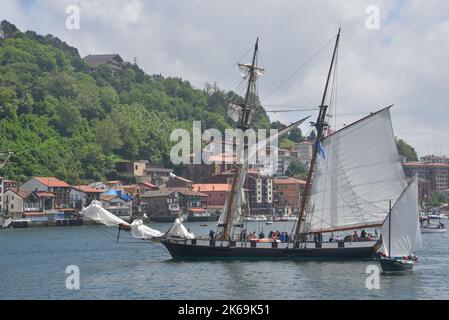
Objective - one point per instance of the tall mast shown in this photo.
(243, 124)
(320, 124)
(389, 231)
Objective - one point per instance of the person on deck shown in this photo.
(261, 235)
(331, 239)
(287, 238)
(363, 235)
(211, 235)
(355, 236)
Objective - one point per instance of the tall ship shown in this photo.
(354, 174)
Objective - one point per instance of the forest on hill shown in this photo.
(62, 119)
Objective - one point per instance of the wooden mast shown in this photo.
(389, 232)
(244, 123)
(320, 124)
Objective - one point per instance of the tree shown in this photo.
(437, 198)
(296, 169)
(406, 150)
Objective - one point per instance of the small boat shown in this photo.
(203, 225)
(401, 234)
(433, 228)
(269, 222)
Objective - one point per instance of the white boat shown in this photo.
(401, 235)
(427, 227)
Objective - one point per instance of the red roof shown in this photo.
(52, 182)
(288, 180)
(147, 185)
(210, 187)
(87, 189)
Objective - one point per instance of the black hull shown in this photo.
(181, 251)
(163, 219)
(395, 266)
(201, 219)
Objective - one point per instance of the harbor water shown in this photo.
(33, 265)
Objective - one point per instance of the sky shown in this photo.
(402, 60)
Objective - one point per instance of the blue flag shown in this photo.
(321, 150)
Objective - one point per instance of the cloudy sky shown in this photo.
(404, 62)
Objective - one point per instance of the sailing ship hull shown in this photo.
(210, 249)
(396, 266)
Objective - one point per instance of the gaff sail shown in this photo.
(405, 236)
(357, 176)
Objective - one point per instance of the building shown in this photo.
(118, 204)
(168, 203)
(259, 190)
(287, 193)
(155, 174)
(436, 175)
(30, 204)
(9, 184)
(112, 60)
(59, 188)
(305, 151)
(115, 183)
(179, 182)
(132, 168)
(216, 193)
(434, 159)
(86, 194)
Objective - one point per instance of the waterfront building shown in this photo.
(117, 203)
(155, 174)
(433, 176)
(84, 193)
(287, 193)
(30, 204)
(305, 151)
(259, 190)
(434, 159)
(59, 188)
(216, 193)
(168, 203)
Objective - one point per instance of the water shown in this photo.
(33, 264)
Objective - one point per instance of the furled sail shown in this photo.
(405, 237)
(141, 231)
(97, 213)
(245, 70)
(138, 230)
(357, 173)
(179, 231)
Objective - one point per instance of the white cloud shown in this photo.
(403, 63)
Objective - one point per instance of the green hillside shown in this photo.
(59, 118)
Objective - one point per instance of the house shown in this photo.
(59, 188)
(115, 183)
(31, 204)
(118, 204)
(148, 186)
(112, 60)
(259, 190)
(437, 175)
(83, 196)
(287, 193)
(216, 193)
(179, 182)
(168, 203)
(155, 174)
(133, 168)
(99, 186)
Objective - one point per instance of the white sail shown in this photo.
(179, 231)
(138, 230)
(141, 231)
(97, 213)
(405, 237)
(357, 172)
